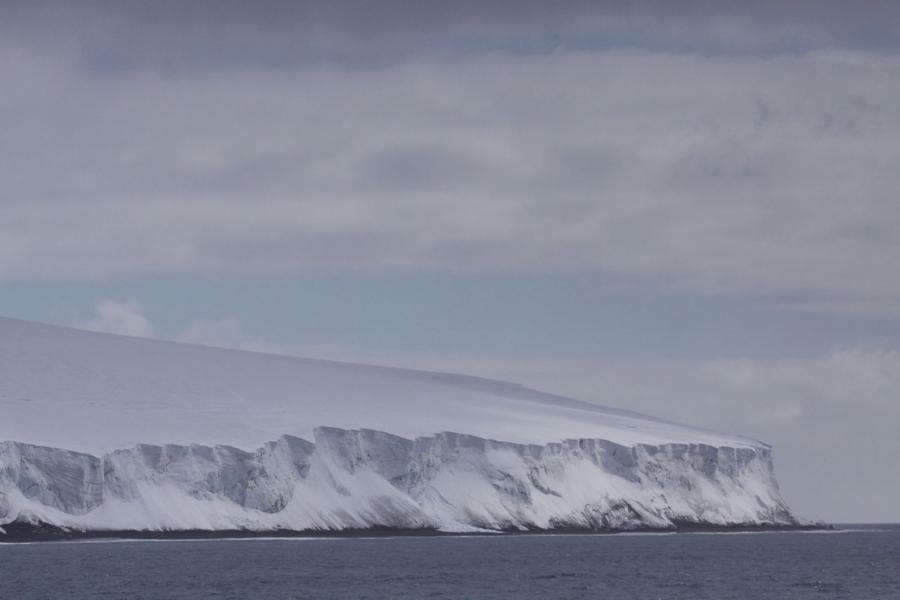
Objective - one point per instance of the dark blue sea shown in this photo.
(857, 564)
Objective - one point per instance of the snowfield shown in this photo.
(100, 431)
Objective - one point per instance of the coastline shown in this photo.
(18, 532)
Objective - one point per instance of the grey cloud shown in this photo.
(426, 168)
(645, 163)
(171, 34)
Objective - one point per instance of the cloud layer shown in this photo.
(290, 32)
(737, 173)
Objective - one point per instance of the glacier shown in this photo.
(101, 432)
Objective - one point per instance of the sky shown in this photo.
(689, 209)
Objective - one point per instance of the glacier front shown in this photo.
(101, 432)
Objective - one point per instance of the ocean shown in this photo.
(858, 563)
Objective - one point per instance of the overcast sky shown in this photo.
(688, 209)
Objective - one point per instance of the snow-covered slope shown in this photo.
(109, 432)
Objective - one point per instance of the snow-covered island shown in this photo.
(103, 433)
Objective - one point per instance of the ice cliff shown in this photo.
(75, 408)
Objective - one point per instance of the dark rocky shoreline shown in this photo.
(18, 532)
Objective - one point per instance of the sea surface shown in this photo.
(859, 563)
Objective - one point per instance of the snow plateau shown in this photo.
(106, 432)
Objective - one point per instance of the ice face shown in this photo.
(365, 478)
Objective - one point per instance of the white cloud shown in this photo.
(124, 318)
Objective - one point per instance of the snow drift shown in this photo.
(104, 432)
